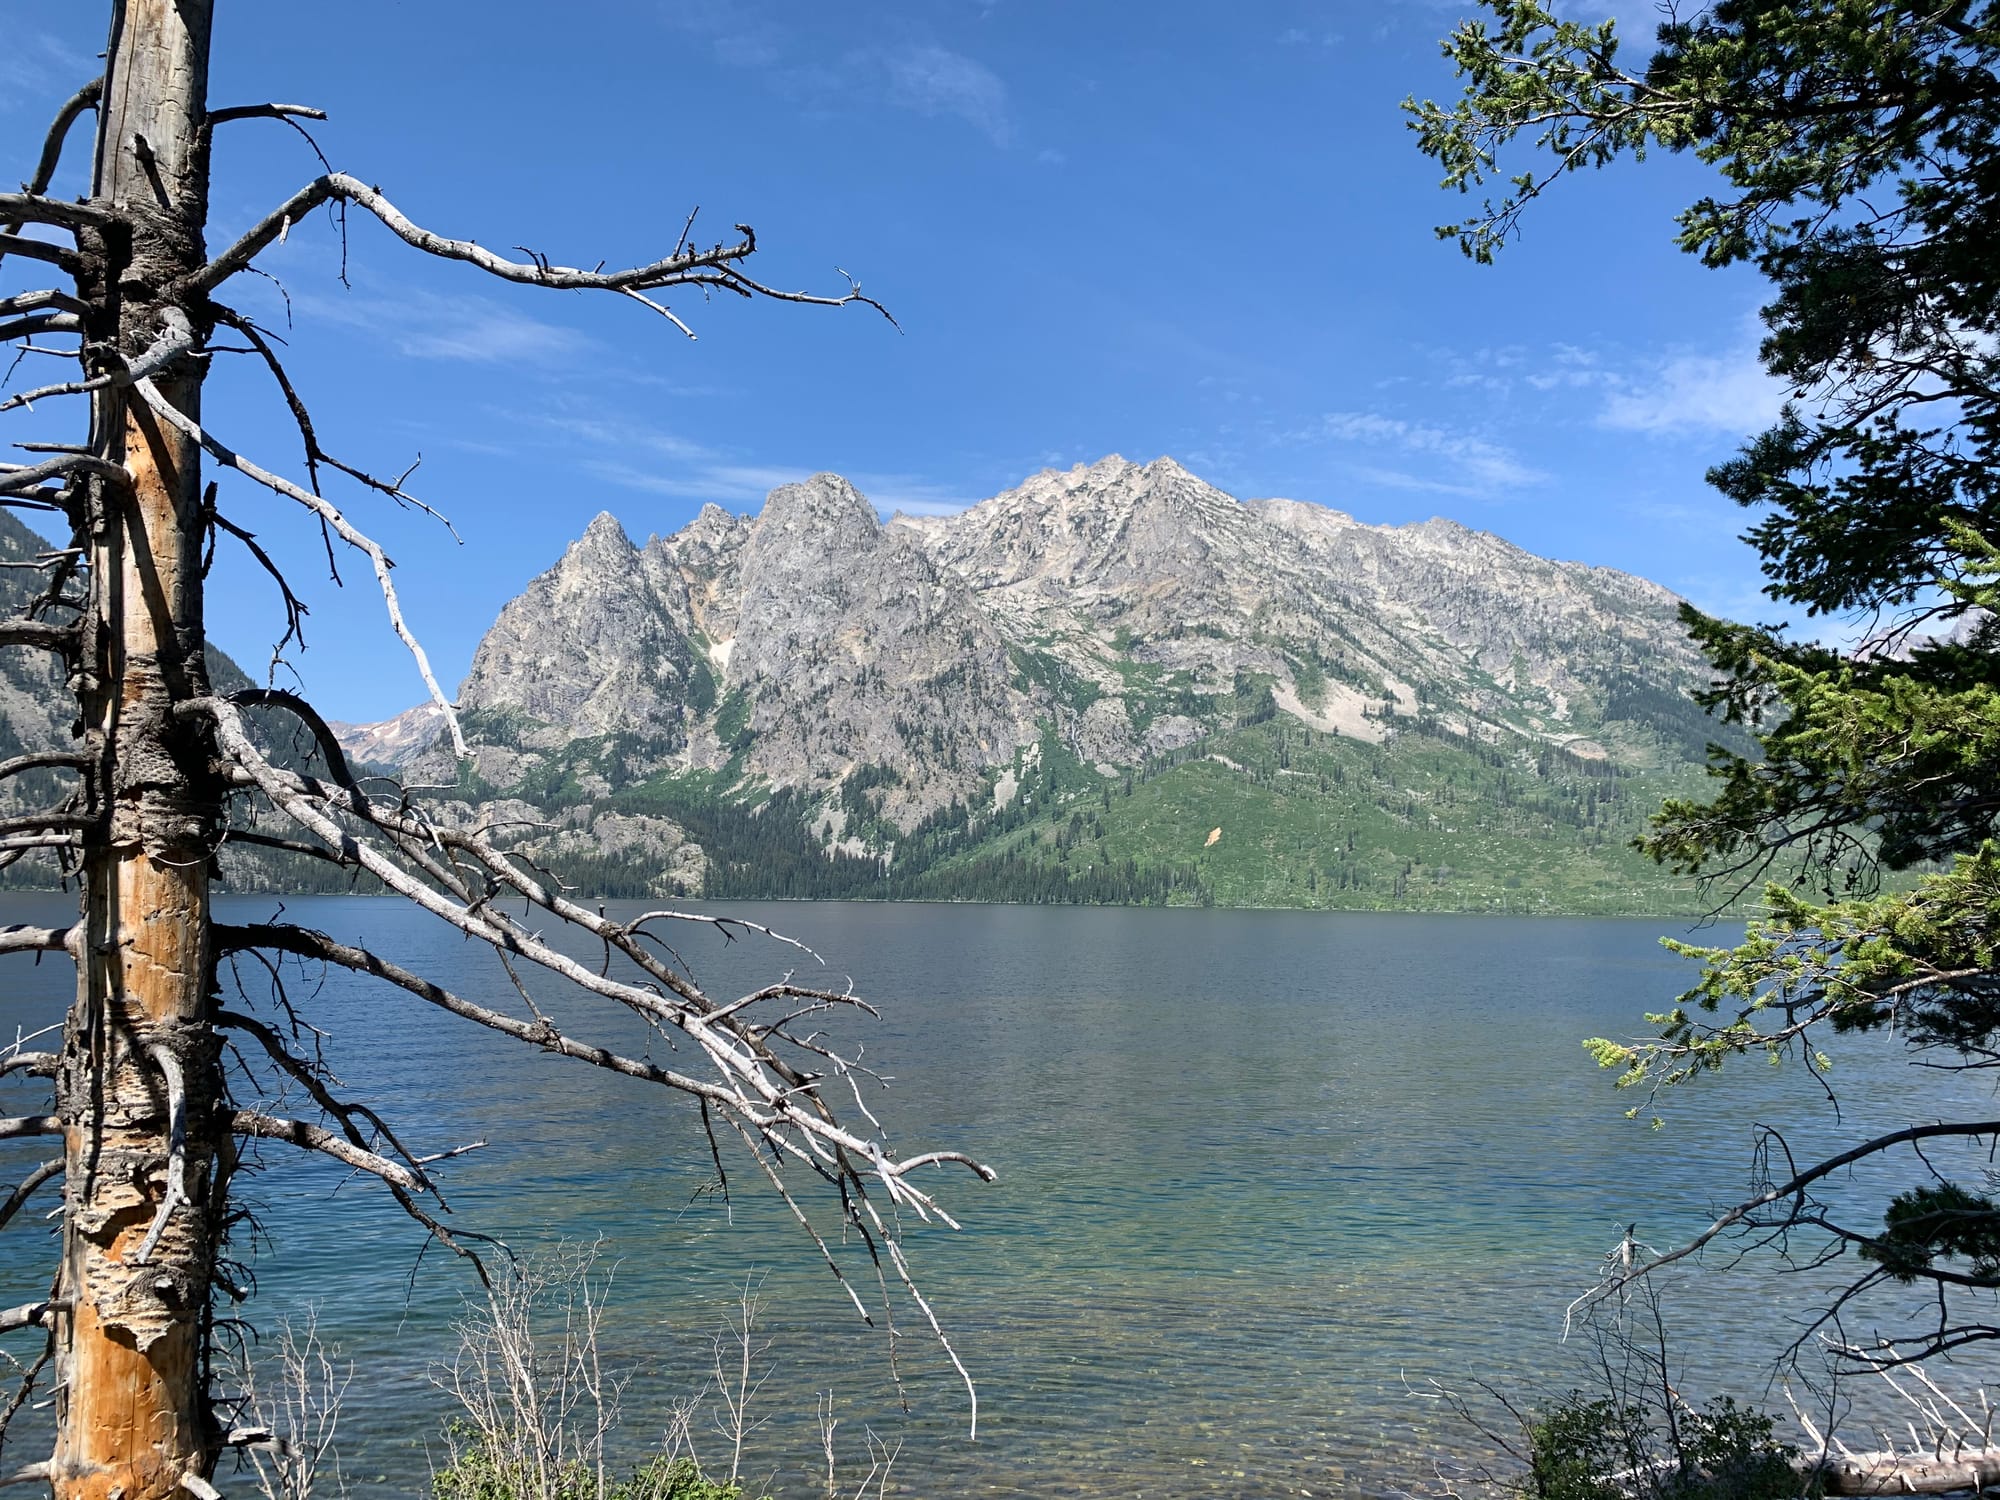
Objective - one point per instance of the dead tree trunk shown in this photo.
(149, 1132)
(138, 1086)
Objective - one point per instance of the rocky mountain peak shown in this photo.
(603, 528)
(599, 606)
(392, 742)
(603, 543)
(799, 567)
(712, 527)
(1112, 530)
(825, 507)
(1123, 611)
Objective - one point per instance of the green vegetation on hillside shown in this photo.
(1426, 822)
(1430, 820)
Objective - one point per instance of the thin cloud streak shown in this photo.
(937, 81)
(39, 68)
(921, 77)
(740, 486)
(427, 325)
(1473, 466)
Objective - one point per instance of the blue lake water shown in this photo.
(1261, 1173)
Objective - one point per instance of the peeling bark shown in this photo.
(131, 1417)
(148, 1133)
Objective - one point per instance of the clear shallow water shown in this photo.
(1260, 1171)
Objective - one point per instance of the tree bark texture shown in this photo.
(139, 1087)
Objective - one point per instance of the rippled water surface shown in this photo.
(1260, 1174)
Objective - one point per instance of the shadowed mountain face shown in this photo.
(36, 710)
(865, 685)
(38, 715)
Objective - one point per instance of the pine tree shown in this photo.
(1856, 144)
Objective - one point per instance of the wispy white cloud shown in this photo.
(1677, 392)
(38, 68)
(1458, 463)
(739, 36)
(1486, 369)
(920, 76)
(427, 325)
(618, 436)
(937, 81)
(726, 484)
(1691, 392)
(1567, 367)
(912, 495)
(744, 486)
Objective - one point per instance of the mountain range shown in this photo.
(1111, 683)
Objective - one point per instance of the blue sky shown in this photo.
(1176, 229)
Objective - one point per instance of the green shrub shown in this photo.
(674, 1479)
(1728, 1453)
(1576, 1446)
(477, 1473)
(1593, 1448)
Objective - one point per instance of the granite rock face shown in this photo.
(606, 607)
(1120, 610)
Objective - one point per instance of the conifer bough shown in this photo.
(1857, 147)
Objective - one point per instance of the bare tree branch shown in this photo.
(1793, 1190)
(262, 840)
(295, 607)
(39, 325)
(716, 267)
(176, 1194)
(323, 735)
(33, 208)
(84, 98)
(303, 942)
(304, 1074)
(315, 455)
(18, 939)
(333, 518)
(46, 300)
(176, 337)
(22, 479)
(317, 1138)
(16, 1199)
(11, 843)
(38, 822)
(32, 249)
(264, 112)
(28, 1315)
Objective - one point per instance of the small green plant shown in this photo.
(1596, 1448)
(675, 1479)
(1730, 1451)
(1576, 1445)
(478, 1473)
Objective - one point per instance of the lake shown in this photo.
(1261, 1175)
